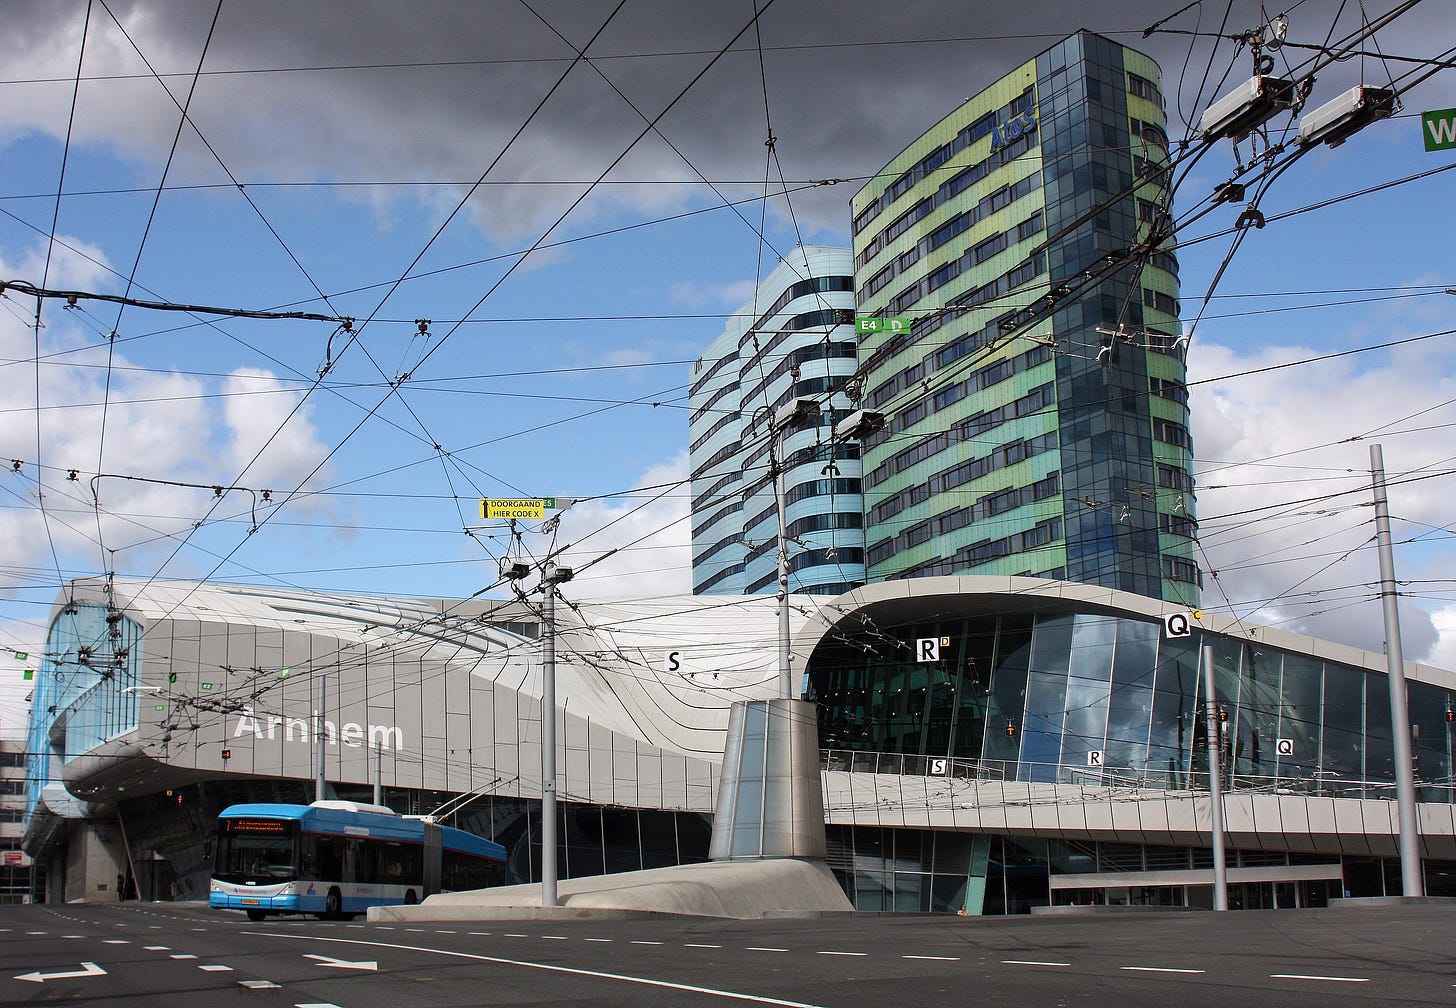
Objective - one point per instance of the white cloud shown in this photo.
(1286, 515)
(650, 530)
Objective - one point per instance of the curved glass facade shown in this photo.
(1095, 698)
(85, 691)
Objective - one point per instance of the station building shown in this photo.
(991, 744)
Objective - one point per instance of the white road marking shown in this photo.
(1305, 976)
(755, 948)
(689, 945)
(1031, 962)
(316, 1004)
(553, 938)
(116, 941)
(323, 960)
(511, 935)
(73, 936)
(215, 968)
(88, 969)
(182, 955)
(936, 958)
(608, 940)
(158, 948)
(257, 984)
(447, 932)
(548, 967)
(636, 942)
(1159, 969)
(843, 953)
(481, 933)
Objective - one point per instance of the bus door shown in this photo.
(432, 859)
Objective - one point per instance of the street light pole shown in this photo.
(551, 576)
(1215, 783)
(775, 453)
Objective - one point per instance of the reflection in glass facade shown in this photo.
(1091, 698)
(84, 691)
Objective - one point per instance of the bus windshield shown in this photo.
(257, 850)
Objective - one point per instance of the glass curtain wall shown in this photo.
(1094, 698)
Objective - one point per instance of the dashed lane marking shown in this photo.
(936, 958)
(257, 984)
(181, 955)
(607, 940)
(756, 948)
(640, 942)
(116, 941)
(688, 945)
(843, 953)
(1159, 969)
(1031, 962)
(158, 948)
(1306, 976)
(550, 968)
(216, 968)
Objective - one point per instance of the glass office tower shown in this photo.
(1035, 387)
(795, 341)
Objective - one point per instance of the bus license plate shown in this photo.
(250, 902)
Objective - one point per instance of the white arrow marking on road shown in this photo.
(87, 969)
(342, 963)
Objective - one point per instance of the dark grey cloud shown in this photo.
(848, 84)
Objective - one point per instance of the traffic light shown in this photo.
(1450, 715)
(227, 754)
(1010, 730)
(1222, 714)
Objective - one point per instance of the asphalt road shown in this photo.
(186, 956)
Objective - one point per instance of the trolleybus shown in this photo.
(336, 859)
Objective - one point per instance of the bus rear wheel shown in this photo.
(410, 899)
(333, 905)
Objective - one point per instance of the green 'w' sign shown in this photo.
(1439, 129)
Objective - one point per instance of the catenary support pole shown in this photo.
(1215, 782)
(548, 750)
(318, 743)
(1411, 883)
(379, 774)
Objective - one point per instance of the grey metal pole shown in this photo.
(1411, 882)
(1215, 783)
(379, 774)
(318, 743)
(548, 752)
(786, 675)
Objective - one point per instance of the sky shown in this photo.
(534, 247)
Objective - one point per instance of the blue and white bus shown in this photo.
(336, 859)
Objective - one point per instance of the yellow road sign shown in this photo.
(499, 508)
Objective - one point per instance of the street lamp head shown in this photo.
(859, 424)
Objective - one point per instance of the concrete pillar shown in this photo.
(770, 799)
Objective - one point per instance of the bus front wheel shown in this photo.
(256, 915)
(333, 905)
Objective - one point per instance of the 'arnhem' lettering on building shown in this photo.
(266, 726)
(1015, 129)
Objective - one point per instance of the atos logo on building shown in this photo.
(1013, 130)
